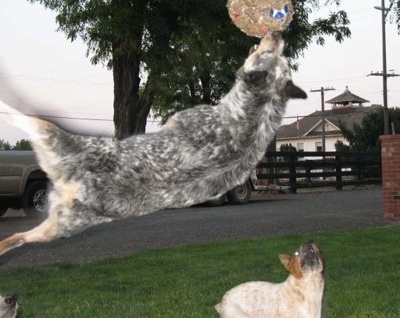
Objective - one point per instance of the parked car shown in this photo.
(22, 183)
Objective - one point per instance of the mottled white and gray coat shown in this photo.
(198, 155)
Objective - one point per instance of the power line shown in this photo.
(52, 79)
(76, 118)
(381, 74)
(61, 117)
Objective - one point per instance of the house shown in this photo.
(306, 134)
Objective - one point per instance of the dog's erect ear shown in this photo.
(255, 80)
(291, 264)
(293, 91)
(285, 260)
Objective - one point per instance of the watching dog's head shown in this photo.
(267, 71)
(8, 306)
(307, 259)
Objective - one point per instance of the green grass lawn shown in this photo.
(362, 278)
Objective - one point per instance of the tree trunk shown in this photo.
(205, 83)
(128, 117)
(130, 112)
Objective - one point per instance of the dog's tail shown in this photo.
(34, 127)
(14, 109)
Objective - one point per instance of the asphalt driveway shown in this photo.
(264, 216)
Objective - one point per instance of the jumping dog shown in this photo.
(198, 155)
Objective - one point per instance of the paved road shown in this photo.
(266, 216)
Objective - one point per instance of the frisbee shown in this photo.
(258, 17)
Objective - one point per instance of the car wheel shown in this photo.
(34, 201)
(218, 201)
(240, 194)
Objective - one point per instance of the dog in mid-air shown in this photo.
(299, 296)
(8, 306)
(198, 155)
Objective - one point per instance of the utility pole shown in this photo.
(323, 90)
(384, 73)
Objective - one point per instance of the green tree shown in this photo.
(22, 144)
(393, 13)
(202, 70)
(340, 146)
(4, 145)
(365, 136)
(187, 50)
(288, 148)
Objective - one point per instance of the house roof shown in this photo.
(346, 98)
(305, 126)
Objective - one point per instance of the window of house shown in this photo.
(318, 146)
(300, 146)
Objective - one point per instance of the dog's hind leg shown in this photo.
(44, 232)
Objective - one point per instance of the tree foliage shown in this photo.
(365, 136)
(171, 55)
(22, 144)
(5, 145)
(393, 13)
(340, 146)
(203, 67)
(288, 148)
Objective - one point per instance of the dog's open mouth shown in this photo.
(8, 306)
(270, 45)
(270, 42)
(11, 301)
(267, 44)
(310, 256)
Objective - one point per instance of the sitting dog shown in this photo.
(198, 155)
(8, 307)
(299, 296)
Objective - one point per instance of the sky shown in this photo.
(49, 69)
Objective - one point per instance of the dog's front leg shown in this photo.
(44, 232)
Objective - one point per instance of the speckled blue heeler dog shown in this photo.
(198, 155)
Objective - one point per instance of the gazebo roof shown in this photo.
(347, 97)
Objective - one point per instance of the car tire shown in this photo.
(240, 194)
(34, 200)
(217, 202)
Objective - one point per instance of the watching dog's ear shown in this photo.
(285, 260)
(291, 264)
(292, 91)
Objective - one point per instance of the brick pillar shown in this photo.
(391, 177)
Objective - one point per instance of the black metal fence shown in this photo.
(320, 169)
